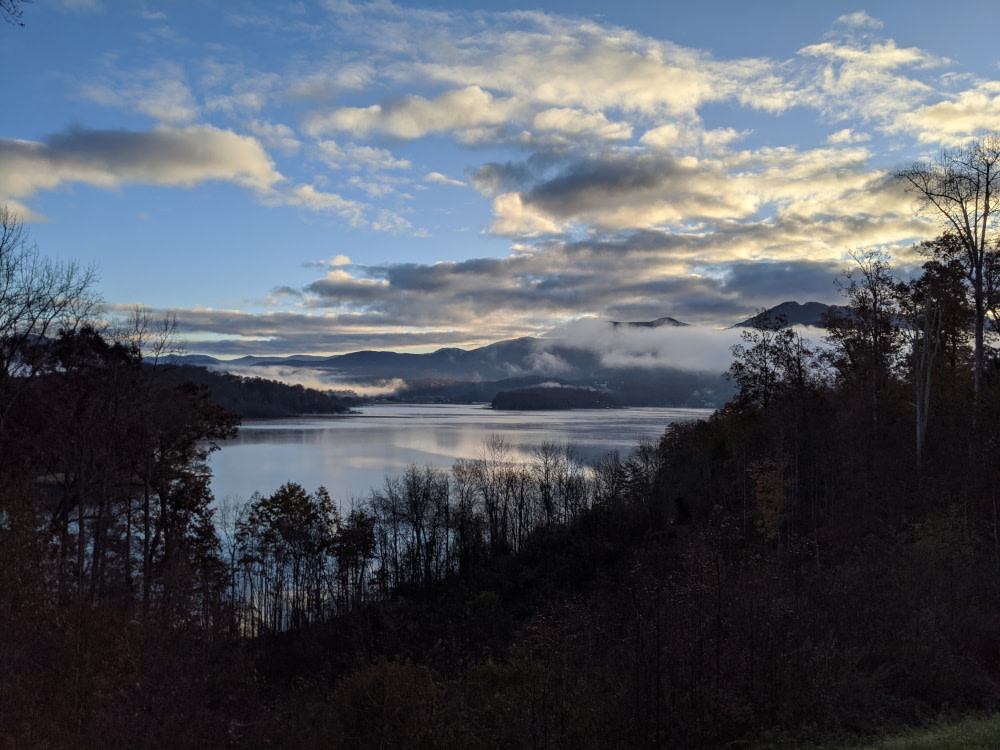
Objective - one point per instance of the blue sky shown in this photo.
(333, 176)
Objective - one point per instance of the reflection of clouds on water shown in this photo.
(351, 455)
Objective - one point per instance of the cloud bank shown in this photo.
(614, 175)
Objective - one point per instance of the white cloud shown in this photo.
(664, 136)
(307, 196)
(957, 119)
(514, 218)
(859, 20)
(437, 178)
(847, 136)
(573, 122)
(160, 93)
(415, 116)
(276, 136)
(359, 157)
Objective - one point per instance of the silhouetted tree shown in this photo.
(38, 298)
(962, 187)
(11, 11)
(773, 357)
(865, 335)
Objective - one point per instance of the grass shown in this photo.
(967, 734)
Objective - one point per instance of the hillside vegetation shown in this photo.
(256, 398)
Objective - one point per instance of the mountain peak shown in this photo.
(807, 314)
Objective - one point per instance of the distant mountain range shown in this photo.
(473, 375)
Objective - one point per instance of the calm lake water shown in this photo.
(351, 454)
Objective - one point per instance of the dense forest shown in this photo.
(259, 398)
(818, 561)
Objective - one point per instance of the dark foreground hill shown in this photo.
(786, 573)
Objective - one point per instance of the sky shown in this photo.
(326, 177)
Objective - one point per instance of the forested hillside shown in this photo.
(818, 561)
(259, 398)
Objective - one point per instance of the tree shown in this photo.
(772, 357)
(936, 318)
(286, 544)
(38, 298)
(866, 337)
(961, 185)
(11, 12)
(923, 333)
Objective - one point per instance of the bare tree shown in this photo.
(38, 298)
(961, 186)
(11, 12)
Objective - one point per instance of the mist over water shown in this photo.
(352, 454)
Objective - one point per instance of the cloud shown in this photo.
(415, 116)
(322, 85)
(353, 156)
(172, 157)
(436, 178)
(570, 122)
(690, 348)
(307, 196)
(664, 136)
(957, 119)
(846, 136)
(160, 93)
(870, 80)
(859, 20)
(249, 92)
(629, 191)
(277, 136)
(516, 218)
(634, 177)
(169, 157)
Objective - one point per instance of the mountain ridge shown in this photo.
(452, 373)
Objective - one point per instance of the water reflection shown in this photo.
(351, 454)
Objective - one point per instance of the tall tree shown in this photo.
(922, 331)
(961, 186)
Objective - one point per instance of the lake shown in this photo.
(352, 454)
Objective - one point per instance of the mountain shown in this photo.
(808, 314)
(477, 375)
(658, 323)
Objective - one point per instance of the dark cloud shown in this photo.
(439, 276)
(495, 177)
(107, 158)
(286, 291)
(341, 289)
(802, 281)
(600, 184)
(500, 177)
